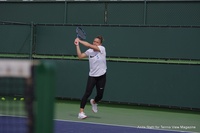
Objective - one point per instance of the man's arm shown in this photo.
(80, 55)
(78, 50)
(86, 44)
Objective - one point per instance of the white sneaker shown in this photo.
(94, 106)
(82, 115)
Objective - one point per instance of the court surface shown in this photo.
(124, 119)
(115, 118)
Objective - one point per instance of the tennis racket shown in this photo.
(80, 33)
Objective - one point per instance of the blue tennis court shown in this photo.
(85, 127)
(63, 126)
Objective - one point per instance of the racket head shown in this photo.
(80, 33)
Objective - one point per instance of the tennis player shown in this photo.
(97, 74)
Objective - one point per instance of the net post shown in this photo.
(45, 85)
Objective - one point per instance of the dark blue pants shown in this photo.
(99, 82)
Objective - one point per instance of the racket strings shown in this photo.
(80, 33)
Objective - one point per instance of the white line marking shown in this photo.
(116, 125)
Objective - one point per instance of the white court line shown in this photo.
(116, 125)
(104, 124)
(14, 116)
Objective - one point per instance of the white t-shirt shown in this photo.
(97, 61)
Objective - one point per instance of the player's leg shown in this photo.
(100, 86)
(89, 88)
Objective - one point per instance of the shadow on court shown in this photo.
(90, 116)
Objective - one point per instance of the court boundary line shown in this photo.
(117, 125)
(20, 116)
(104, 124)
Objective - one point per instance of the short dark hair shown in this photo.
(100, 38)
